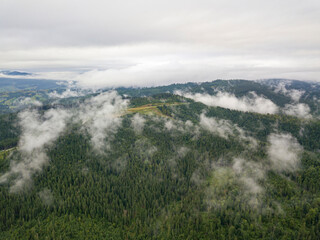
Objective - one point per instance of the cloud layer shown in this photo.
(142, 43)
(253, 103)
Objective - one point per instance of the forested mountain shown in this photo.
(16, 94)
(14, 84)
(218, 160)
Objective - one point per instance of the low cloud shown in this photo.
(294, 94)
(221, 127)
(46, 196)
(144, 149)
(99, 115)
(254, 103)
(283, 152)
(72, 91)
(179, 153)
(295, 108)
(137, 122)
(283, 155)
(173, 126)
(38, 131)
(28, 102)
(298, 109)
(66, 94)
(182, 151)
(225, 129)
(196, 178)
(249, 173)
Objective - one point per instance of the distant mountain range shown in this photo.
(16, 73)
(15, 84)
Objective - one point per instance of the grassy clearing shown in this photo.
(151, 109)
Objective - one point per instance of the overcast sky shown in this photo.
(150, 42)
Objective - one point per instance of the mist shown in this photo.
(100, 116)
(284, 152)
(251, 103)
(283, 156)
(294, 94)
(137, 123)
(225, 129)
(27, 101)
(300, 110)
(38, 132)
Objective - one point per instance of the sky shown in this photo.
(146, 43)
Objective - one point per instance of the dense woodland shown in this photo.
(171, 180)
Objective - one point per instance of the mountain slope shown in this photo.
(158, 167)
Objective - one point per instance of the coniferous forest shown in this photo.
(163, 163)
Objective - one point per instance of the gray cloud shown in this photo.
(83, 23)
(117, 43)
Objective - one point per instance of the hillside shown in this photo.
(171, 162)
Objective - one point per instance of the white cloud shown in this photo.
(65, 94)
(38, 131)
(137, 122)
(283, 156)
(284, 152)
(225, 129)
(27, 101)
(295, 108)
(101, 116)
(221, 127)
(294, 94)
(254, 103)
(298, 110)
(72, 90)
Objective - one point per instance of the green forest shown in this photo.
(150, 164)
